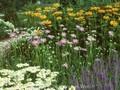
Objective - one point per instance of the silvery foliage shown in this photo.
(6, 26)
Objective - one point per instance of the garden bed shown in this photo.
(82, 45)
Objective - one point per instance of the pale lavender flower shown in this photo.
(75, 41)
(62, 42)
(35, 41)
(43, 40)
(50, 36)
(47, 31)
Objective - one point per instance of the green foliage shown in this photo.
(5, 27)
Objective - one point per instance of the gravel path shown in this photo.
(5, 44)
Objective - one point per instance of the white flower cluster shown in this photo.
(29, 78)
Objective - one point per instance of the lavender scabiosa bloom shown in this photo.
(50, 36)
(47, 31)
(75, 41)
(62, 42)
(35, 41)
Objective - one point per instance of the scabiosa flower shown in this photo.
(50, 36)
(43, 40)
(47, 31)
(35, 42)
(75, 41)
(62, 42)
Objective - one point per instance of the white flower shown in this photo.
(63, 34)
(22, 65)
(80, 28)
(64, 29)
(77, 48)
(111, 33)
(91, 38)
(72, 88)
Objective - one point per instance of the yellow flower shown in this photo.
(115, 9)
(95, 8)
(114, 23)
(108, 6)
(42, 17)
(59, 18)
(38, 32)
(71, 14)
(79, 13)
(46, 22)
(28, 13)
(56, 5)
(89, 13)
(119, 18)
(106, 17)
(38, 9)
(109, 10)
(57, 13)
(36, 14)
(101, 11)
(69, 9)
